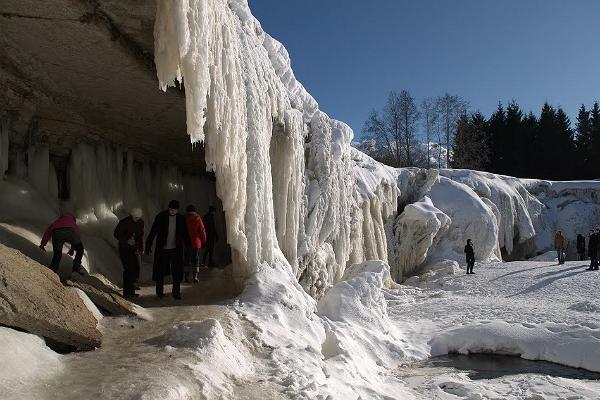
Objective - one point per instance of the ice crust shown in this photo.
(573, 346)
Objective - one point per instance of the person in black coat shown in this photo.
(581, 246)
(130, 234)
(211, 236)
(172, 237)
(593, 250)
(470, 253)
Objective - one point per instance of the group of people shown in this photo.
(183, 243)
(593, 249)
(560, 244)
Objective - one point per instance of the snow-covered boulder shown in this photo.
(415, 230)
(32, 298)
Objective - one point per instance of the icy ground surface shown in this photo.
(538, 310)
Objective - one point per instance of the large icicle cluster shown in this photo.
(283, 168)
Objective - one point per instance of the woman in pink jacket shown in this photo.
(64, 230)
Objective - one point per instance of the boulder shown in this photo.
(33, 299)
(103, 295)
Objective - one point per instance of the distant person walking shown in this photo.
(130, 234)
(559, 245)
(172, 237)
(593, 249)
(64, 230)
(581, 246)
(197, 233)
(211, 236)
(470, 254)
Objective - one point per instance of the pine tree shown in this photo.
(565, 144)
(470, 149)
(594, 153)
(512, 161)
(495, 128)
(583, 142)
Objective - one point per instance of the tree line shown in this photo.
(509, 142)
(520, 144)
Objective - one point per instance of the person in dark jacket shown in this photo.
(592, 250)
(198, 237)
(470, 253)
(581, 246)
(64, 230)
(211, 236)
(172, 237)
(130, 234)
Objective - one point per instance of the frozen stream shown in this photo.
(558, 304)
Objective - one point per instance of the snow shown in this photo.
(314, 226)
(534, 310)
(25, 358)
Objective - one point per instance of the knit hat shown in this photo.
(136, 212)
(174, 204)
(191, 208)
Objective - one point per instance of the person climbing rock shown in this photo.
(172, 237)
(197, 234)
(470, 254)
(581, 246)
(211, 236)
(130, 234)
(559, 245)
(64, 230)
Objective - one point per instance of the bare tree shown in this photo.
(409, 119)
(450, 108)
(394, 129)
(429, 114)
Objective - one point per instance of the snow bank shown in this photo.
(571, 345)
(361, 344)
(25, 358)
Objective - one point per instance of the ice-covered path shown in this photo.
(185, 350)
(539, 310)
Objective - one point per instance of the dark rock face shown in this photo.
(83, 70)
(33, 299)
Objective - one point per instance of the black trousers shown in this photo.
(59, 238)
(470, 265)
(169, 260)
(208, 252)
(131, 268)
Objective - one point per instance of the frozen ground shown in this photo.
(538, 310)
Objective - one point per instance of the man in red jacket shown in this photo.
(198, 238)
(64, 230)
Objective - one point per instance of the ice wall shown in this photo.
(283, 168)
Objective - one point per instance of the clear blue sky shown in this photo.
(350, 53)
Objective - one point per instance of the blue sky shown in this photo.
(350, 53)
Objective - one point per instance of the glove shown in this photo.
(71, 252)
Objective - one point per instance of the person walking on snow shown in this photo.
(559, 245)
(593, 250)
(470, 253)
(64, 230)
(211, 236)
(130, 234)
(197, 233)
(172, 237)
(581, 246)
